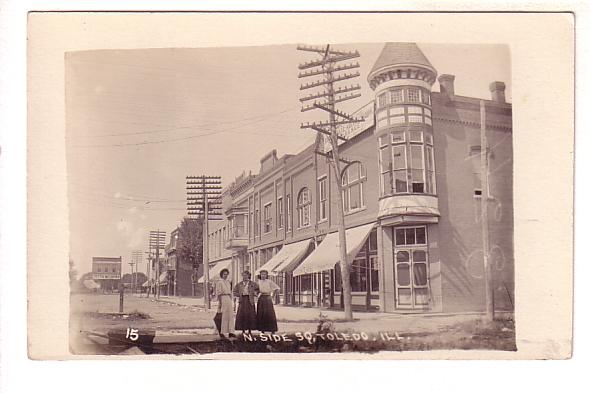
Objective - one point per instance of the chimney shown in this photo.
(268, 161)
(497, 89)
(447, 85)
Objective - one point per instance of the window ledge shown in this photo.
(323, 220)
(350, 212)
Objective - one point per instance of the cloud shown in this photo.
(137, 237)
(126, 227)
(132, 210)
(117, 195)
(142, 216)
(132, 235)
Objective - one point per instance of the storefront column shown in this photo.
(386, 277)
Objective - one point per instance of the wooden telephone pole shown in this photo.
(157, 240)
(204, 200)
(136, 257)
(331, 72)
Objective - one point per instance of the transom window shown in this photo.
(352, 183)
(406, 162)
(303, 207)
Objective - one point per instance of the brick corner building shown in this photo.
(412, 201)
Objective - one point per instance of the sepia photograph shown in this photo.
(354, 194)
(290, 198)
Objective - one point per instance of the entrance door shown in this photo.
(411, 268)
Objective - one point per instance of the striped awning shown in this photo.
(286, 259)
(327, 254)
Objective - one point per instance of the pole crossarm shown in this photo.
(322, 50)
(305, 74)
(337, 112)
(327, 81)
(344, 89)
(329, 59)
(323, 131)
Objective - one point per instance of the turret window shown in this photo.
(397, 96)
(407, 164)
(413, 95)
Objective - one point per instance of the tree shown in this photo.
(190, 241)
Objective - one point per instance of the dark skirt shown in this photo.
(246, 316)
(266, 320)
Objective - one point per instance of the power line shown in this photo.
(265, 116)
(167, 140)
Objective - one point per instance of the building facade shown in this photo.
(412, 194)
(107, 272)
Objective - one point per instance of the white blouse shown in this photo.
(223, 287)
(267, 286)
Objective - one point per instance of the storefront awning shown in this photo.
(91, 284)
(286, 259)
(215, 270)
(327, 254)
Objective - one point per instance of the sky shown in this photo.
(139, 121)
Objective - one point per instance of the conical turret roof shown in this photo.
(400, 53)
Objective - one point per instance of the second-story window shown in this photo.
(280, 213)
(323, 187)
(407, 163)
(303, 207)
(267, 218)
(288, 219)
(352, 187)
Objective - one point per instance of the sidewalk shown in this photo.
(296, 319)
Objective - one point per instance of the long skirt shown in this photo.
(246, 317)
(266, 320)
(227, 314)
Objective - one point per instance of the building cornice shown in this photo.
(475, 124)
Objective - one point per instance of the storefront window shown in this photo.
(358, 275)
(306, 282)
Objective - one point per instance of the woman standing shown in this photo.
(224, 296)
(246, 291)
(266, 320)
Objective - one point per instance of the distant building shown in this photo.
(106, 271)
(412, 201)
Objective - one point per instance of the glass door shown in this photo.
(411, 269)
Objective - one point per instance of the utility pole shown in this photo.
(331, 72)
(204, 200)
(136, 257)
(485, 193)
(157, 239)
(132, 284)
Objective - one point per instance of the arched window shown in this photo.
(303, 207)
(352, 187)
